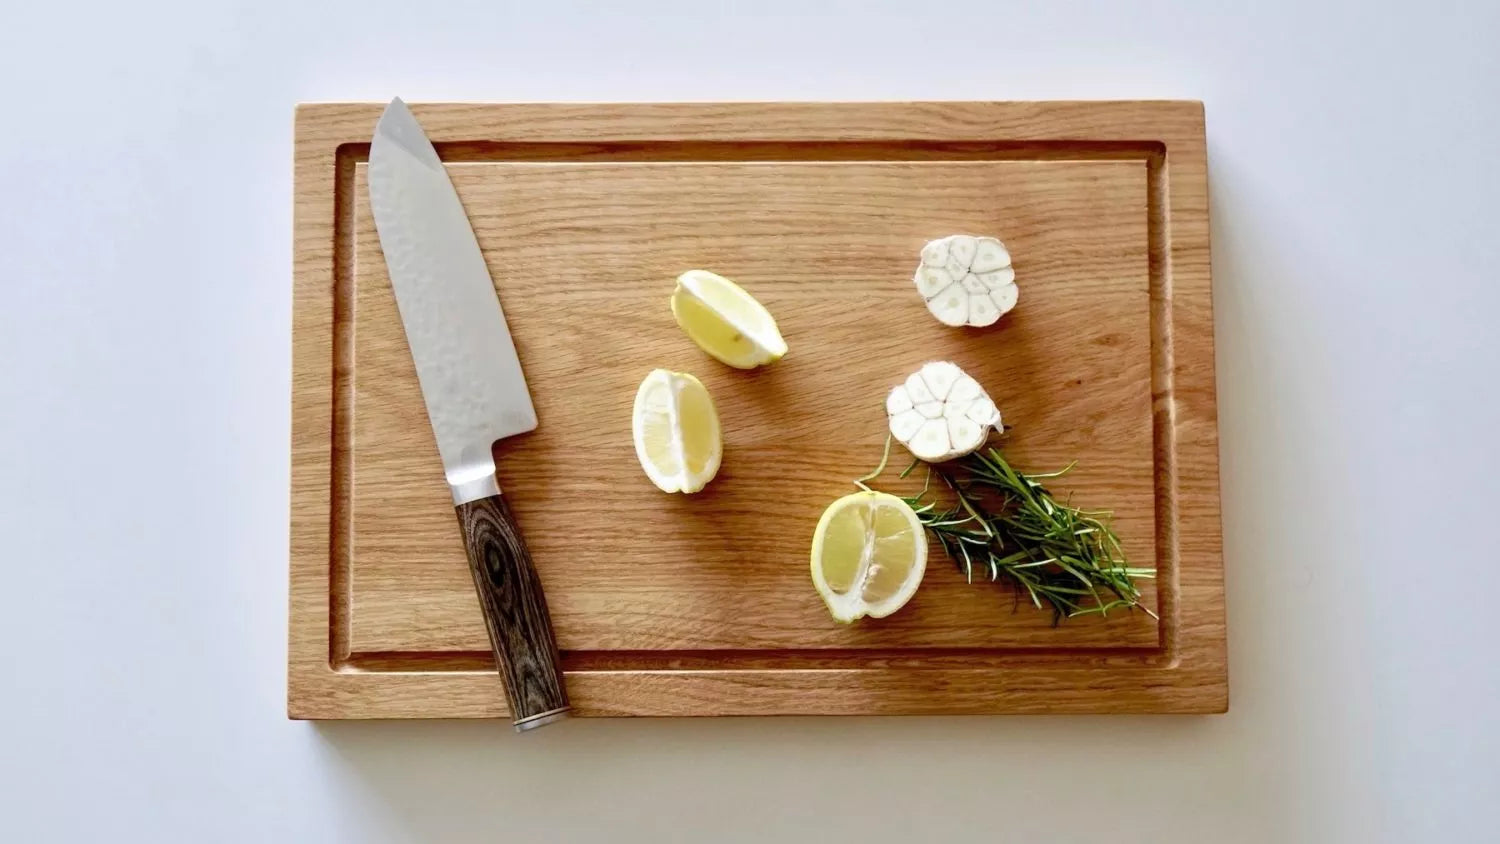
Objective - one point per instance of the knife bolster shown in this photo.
(472, 489)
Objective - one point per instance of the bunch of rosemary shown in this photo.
(1007, 523)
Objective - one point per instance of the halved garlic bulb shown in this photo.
(940, 413)
(967, 280)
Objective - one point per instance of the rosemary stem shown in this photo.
(1062, 557)
(884, 459)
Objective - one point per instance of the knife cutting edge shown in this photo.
(475, 394)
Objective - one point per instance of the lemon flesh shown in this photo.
(676, 431)
(868, 555)
(725, 321)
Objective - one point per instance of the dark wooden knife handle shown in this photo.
(515, 611)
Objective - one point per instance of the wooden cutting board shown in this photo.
(702, 605)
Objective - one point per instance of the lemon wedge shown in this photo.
(725, 321)
(676, 430)
(868, 555)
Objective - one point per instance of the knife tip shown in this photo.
(397, 106)
(398, 129)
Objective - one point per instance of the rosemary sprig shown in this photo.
(1007, 524)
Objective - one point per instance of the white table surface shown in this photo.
(145, 181)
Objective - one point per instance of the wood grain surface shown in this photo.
(702, 605)
(514, 608)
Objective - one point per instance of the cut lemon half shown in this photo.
(676, 431)
(725, 321)
(868, 555)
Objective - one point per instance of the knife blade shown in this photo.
(475, 392)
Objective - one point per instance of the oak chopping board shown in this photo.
(702, 605)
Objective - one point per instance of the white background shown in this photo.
(145, 182)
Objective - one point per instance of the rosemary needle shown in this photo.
(1008, 526)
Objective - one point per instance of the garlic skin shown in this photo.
(967, 280)
(939, 413)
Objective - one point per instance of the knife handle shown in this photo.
(515, 612)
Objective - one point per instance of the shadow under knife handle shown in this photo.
(515, 612)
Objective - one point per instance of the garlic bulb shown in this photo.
(940, 413)
(967, 280)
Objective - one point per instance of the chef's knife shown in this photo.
(475, 393)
